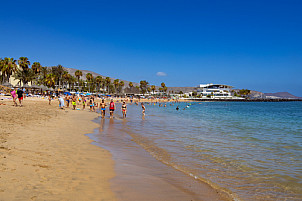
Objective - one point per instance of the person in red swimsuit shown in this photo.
(111, 108)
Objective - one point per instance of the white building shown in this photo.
(215, 91)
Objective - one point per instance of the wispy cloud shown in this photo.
(161, 74)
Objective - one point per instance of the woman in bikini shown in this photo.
(124, 109)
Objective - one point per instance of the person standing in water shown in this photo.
(111, 108)
(103, 108)
(124, 109)
(144, 109)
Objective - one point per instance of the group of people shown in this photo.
(93, 105)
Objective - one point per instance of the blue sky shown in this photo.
(247, 44)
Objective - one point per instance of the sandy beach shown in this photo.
(44, 154)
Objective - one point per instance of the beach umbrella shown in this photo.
(67, 93)
(17, 85)
(88, 94)
(35, 86)
(26, 86)
(7, 84)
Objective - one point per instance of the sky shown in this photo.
(254, 44)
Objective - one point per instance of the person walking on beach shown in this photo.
(103, 108)
(124, 109)
(83, 101)
(144, 109)
(49, 99)
(14, 95)
(111, 108)
(20, 96)
(61, 102)
(74, 102)
(93, 104)
(67, 98)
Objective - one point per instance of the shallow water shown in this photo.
(252, 150)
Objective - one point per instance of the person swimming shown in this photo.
(177, 108)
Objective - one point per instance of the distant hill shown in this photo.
(285, 95)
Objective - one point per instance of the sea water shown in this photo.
(252, 151)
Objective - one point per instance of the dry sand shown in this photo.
(44, 154)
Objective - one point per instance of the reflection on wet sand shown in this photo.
(139, 175)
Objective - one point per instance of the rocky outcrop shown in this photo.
(284, 95)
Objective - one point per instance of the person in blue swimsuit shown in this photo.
(103, 108)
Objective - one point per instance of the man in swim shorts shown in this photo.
(67, 98)
(20, 96)
(111, 108)
(103, 108)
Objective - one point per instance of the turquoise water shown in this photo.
(250, 150)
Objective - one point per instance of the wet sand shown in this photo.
(44, 154)
(140, 176)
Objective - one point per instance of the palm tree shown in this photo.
(121, 85)
(65, 77)
(36, 66)
(108, 82)
(165, 89)
(143, 86)
(71, 81)
(89, 78)
(98, 80)
(8, 67)
(25, 75)
(153, 88)
(78, 74)
(130, 85)
(24, 63)
(116, 84)
(50, 80)
(162, 84)
(44, 72)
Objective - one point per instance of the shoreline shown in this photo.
(46, 155)
(242, 100)
(141, 176)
